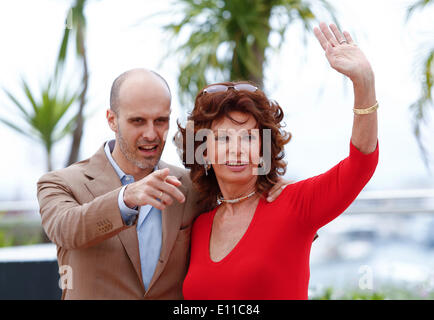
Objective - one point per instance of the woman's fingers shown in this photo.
(277, 189)
(339, 37)
(329, 40)
(329, 36)
(322, 40)
(348, 37)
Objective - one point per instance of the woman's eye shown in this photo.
(249, 137)
(222, 138)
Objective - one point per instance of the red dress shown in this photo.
(271, 260)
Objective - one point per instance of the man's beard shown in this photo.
(130, 152)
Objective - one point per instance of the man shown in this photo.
(122, 219)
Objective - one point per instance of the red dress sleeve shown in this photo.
(320, 199)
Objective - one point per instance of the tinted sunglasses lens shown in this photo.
(246, 87)
(216, 88)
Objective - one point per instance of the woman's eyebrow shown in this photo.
(240, 131)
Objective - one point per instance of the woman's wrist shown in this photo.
(364, 90)
(364, 79)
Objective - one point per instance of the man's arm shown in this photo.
(73, 225)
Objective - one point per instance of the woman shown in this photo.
(245, 247)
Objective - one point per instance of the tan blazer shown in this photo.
(99, 255)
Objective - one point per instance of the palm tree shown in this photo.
(419, 108)
(228, 39)
(75, 35)
(43, 119)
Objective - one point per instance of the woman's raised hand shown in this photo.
(342, 53)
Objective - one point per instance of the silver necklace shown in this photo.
(220, 198)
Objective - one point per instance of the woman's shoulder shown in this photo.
(289, 189)
(292, 193)
(301, 185)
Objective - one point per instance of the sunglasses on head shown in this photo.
(223, 88)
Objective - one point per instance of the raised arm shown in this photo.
(346, 57)
(322, 198)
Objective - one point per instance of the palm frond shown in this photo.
(75, 31)
(44, 115)
(16, 127)
(20, 107)
(241, 27)
(29, 95)
(420, 107)
(418, 5)
(61, 57)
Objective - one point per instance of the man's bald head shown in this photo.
(140, 75)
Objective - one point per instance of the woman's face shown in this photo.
(233, 148)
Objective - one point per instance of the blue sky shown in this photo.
(317, 100)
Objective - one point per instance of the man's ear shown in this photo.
(112, 120)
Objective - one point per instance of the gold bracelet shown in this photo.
(367, 110)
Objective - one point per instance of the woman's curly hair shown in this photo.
(214, 106)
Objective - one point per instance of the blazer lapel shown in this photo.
(103, 179)
(130, 242)
(171, 223)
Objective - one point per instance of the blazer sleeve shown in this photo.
(73, 225)
(322, 198)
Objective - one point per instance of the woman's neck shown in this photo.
(232, 191)
(237, 190)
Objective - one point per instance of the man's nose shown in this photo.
(149, 132)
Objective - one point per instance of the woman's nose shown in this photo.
(235, 147)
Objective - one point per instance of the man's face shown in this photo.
(142, 122)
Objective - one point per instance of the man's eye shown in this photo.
(161, 121)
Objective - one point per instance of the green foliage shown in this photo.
(5, 240)
(385, 292)
(419, 108)
(20, 234)
(227, 40)
(42, 117)
(75, 31)
(420, 4)
(75, 36)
